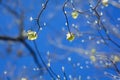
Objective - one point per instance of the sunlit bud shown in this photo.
(63, 69)
(24, 33)
(105, 2)
(70, 36)
(69, 58)
(31, 18)
(48, 64)
(93, 58)
(116, 59)
(23, 78)
(74, 14)
(93, 51)
(58, 76)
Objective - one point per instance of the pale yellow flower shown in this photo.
(105, 2)
(74, 14)
(93, 58)
(93, 51)
(32, 35)
(70, 36)
(116, 59)
(23, 78)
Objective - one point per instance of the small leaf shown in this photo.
(70, 36)
(74, 14)
(32, 35)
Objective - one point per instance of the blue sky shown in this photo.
(17, 63)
